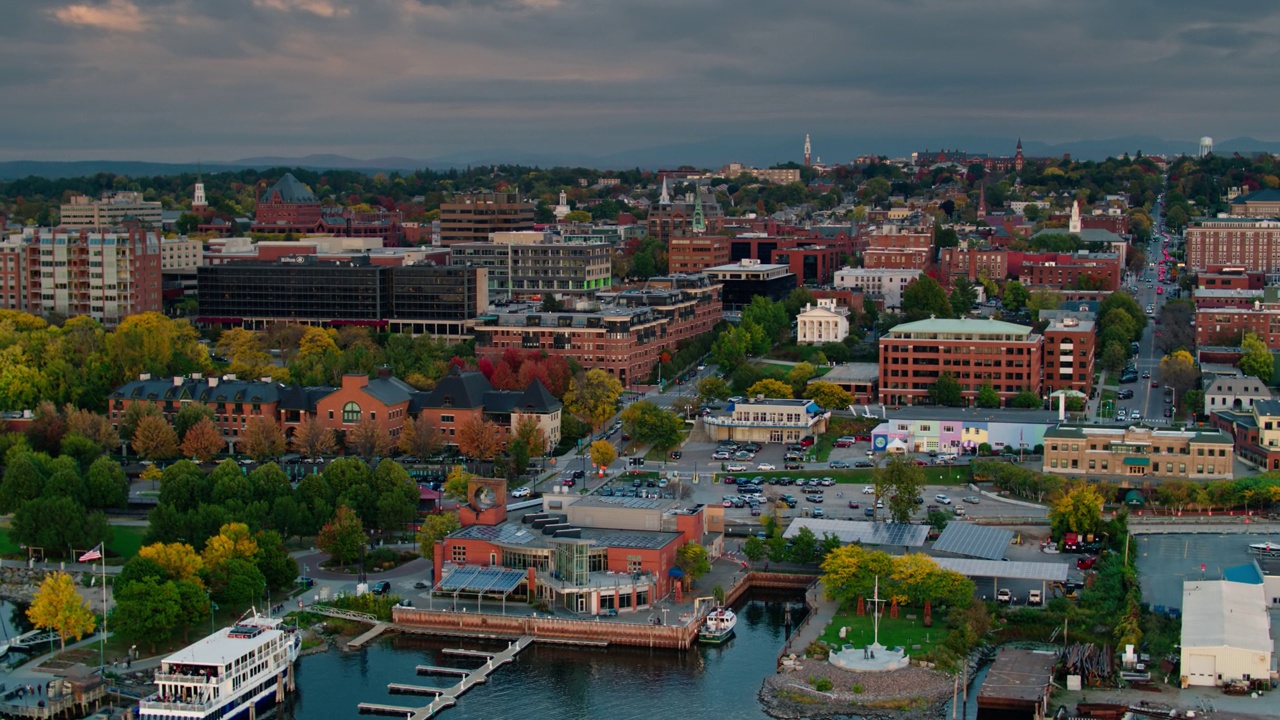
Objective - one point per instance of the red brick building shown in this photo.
(1245, 243)
(1095, 271)
(1225, 325)
(975, 352)
(974, 262)
(626, 337)
(813, 264)
(695, 253)
(1069, 345)
(289, 207)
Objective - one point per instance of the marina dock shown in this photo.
(447, 697)
(369, 635)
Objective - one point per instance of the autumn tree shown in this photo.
(770, 388)
(850, 572)
(188, 416)
(421, 437)
(133, 414)
(93, 426)
(798, 377)
(529, 431)
(343, 536)
(479, 438)
(203, 441)
(1078, 509)
(154, 438)
(593, 396)
(457, 483)
(262, 439)
(233, 542)
(1178, 370)
(312, 439)
(245, 351)
(58, 607)
(1257, 360)
(828, 395)
(179, 561)
(603, 453)
(370, 440)
(435, 528)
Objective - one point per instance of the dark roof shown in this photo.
(292, 191)
(458, 389)
(1263, 195)
(205, 390)
(537, 398)
(296, 397)
(390, 390)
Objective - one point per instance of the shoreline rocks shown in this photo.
(912, 693)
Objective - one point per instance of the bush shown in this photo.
(858, 689)
(821, 684)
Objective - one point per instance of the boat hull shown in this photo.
(718, 638)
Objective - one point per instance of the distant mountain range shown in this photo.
(710, 153)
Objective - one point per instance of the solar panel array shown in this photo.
(471, 579)
(506, 533)
(652, 542)
(867, 533)
(631, 502)
(1051, 572)
(977, 541)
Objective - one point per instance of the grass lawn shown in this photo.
(901, 632)
(7, 546)
(125, 541)
(934, 475)
(654, 454)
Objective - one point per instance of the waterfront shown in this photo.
(564, 682)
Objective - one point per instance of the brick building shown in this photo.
(698, 212)
(473, 218)
(1098, 271)
(975, 352)
(1264, 203)
(625, 337)
(1256, 432)
(104, 275)
(1217, 325)
(1246, 243)
(289, 207)
(811, 264)
(695, 253)
(1069, 351)
(383, 399)
(1138, 452)
(973, 262)
(898, 247)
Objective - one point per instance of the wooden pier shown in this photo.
(369, 635)
(446, 697)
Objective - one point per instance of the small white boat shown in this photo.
(718, 626)
(1265, 549)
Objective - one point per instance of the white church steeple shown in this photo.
(1074, 225)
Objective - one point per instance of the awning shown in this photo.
(1143, 462)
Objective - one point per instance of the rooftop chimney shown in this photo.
(177, 380)
(144, 376)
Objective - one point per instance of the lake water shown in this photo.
(547, 681)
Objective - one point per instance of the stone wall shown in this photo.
(20, 584)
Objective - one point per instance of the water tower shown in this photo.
(1206, 146)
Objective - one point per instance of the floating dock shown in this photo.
(369, 635)
(446, 697)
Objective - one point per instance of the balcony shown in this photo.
(154, 703)
(187, 679)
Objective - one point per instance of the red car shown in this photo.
(1086, 563)
(806, 441)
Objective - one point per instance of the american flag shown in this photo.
(94, 554)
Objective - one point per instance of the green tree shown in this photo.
(770, 316)
(924, 298)
(436, 527)
(342, 536)
(106, 485)
(1125, 302)
(692, 559)
(1114, 357)
(148, 610)
(754, 548)
(799, 376)
(1257, 360)
(946, 391)
(804, 546)
(133, 414)
(900, 480)
(190, 414)
(593, 396)
(828, 395)
(988, 397)
(274, 561)
(1015, 296)
(652, 425)
(797, 300)
(712, 388)
(1025, 399)
(963, 296)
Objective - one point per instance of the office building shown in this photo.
(1069, 343)
(1138, 452)
(696, 253)
(749, 279)
(523, 270)
(974, 352)
(776, 420)
(882, 286)
(475, 217)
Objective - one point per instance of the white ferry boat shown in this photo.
(234, 673)
(718, 626)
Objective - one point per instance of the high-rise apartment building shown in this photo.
(104, 275)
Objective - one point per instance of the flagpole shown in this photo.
(102, 646)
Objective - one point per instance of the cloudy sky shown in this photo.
(185, 80)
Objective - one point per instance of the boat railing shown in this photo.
(152, 704)
(188, 679)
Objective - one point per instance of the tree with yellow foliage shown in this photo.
(58, 607)
(603, 453)
(233, 542)
(1078, 509)
(180, 561)
(317, 341)
(770, 388)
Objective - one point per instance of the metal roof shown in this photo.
(1052, 572)
(977, 541)
(867, 533)
(472, 579)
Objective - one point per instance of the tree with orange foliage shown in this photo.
(203, 441)
(262, 439)
(478, 438)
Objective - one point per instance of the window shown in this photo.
(459, 554)
(446, 418)
(351, 413)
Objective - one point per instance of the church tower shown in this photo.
(982, 201)
(808, 150)
(1074, 225)
(699, 220)
(1018, 160)
(198, 201)
(665, 197)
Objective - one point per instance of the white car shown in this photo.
(942, 499)
(868, 490)
(737, 468)
(766, 466)
(520, 492)
(721, 455)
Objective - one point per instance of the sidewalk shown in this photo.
(815, 624)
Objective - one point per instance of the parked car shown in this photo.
(853, 505)
(521, 492)
(818, 512)
(766, 466)
(721, 455)
(838, 464)
(863, 464)
(1003, 595)
(793, 466)
(942, 499)
(868, 490)
(676, 455)
(958, 511)
(806, 441)
(972, 499)
(736, 468)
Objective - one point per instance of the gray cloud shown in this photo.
(187, 79)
